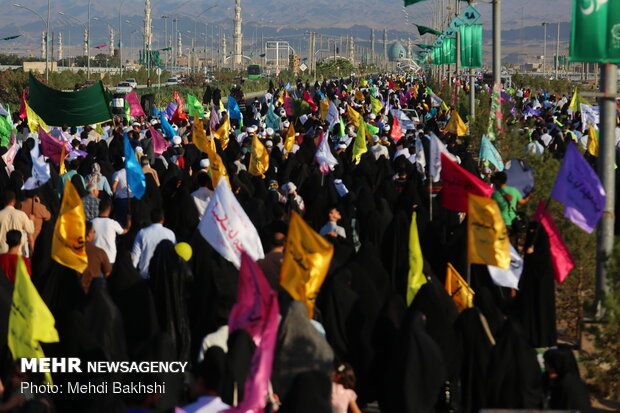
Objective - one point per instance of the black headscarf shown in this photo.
(241, 348)
(310, 393)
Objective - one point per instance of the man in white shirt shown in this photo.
(202, 196)
(206, 378)
(122, 193)
(546, 138)
(332, 228)
(107, 229)
(147, 240)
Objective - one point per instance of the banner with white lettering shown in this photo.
(227, 228)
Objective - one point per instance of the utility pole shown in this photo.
(557, 53)
(605, 163)
(544, 57)
(497, 42)
(372, 45)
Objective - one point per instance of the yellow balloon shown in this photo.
(184, 250)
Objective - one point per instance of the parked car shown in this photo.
(172, 81)
(132, 82)
(124, 87)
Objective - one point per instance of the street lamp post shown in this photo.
(74, 18)
(120, 39)
(165, 19)
(109, 25)
(47, 32)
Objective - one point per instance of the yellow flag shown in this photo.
(222, 133)
(68, 242)
(199, 136)
(289, 142)
(359, 95)
(444, 107)
(359, 145)
(99, 129)
(456, 125)
(354, 116)
(63, 155)
(222, 108)
(576, 101)
(592, 140)
(416, 278)
(376, 105)
(456, 286)
(259, 158)
(487, 237)
(30, 321)
(34, 121)
(324, 108)
(307, 256)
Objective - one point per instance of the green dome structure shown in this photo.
(397, 52)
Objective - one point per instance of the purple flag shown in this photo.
(215, 118)
(257, 312)
(579, 189)
(172, 107)
(533, 112)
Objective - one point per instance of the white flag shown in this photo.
(420, 158)
(9, 156)
(324, 156)
(40, 170)
(333, 116)
(510, 277)
(437, 148)
(405, 122)
(227, 228)
(589, 114)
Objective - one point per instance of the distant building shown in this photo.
(397, 52)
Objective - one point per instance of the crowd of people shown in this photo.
(155, 289)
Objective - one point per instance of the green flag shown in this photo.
(372, 129)
(127, 111)
(194, 106)
(471, 45)
(11, 37)
(410, 2)
(595, 31)
(5, 131)
(423, 30)
(448, 52)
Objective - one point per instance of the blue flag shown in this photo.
(318, 91)
(135, 177)
(489, 152)
(165, 126)
(272, 120)
(155, 112)
(233, 108)
(579, 189)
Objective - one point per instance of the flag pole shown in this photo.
(430, 196)
(605, 166)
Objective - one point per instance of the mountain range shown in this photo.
(286, 19)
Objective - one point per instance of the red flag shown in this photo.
(396, 133)
(52, 147)
(310, 101)
(561, 257)
(22, 109)
(457, 183)
(390, 84)
(178, 114)
(257, 312)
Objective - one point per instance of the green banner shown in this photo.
(595, 31)
(448, 52)
(471, 46)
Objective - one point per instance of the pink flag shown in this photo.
(52, 147)
(9, 156)
(159, 143)
(256, 311)
(561, 257)
(310, 101)
(288, 105)
(135, 109)
(457, 183)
